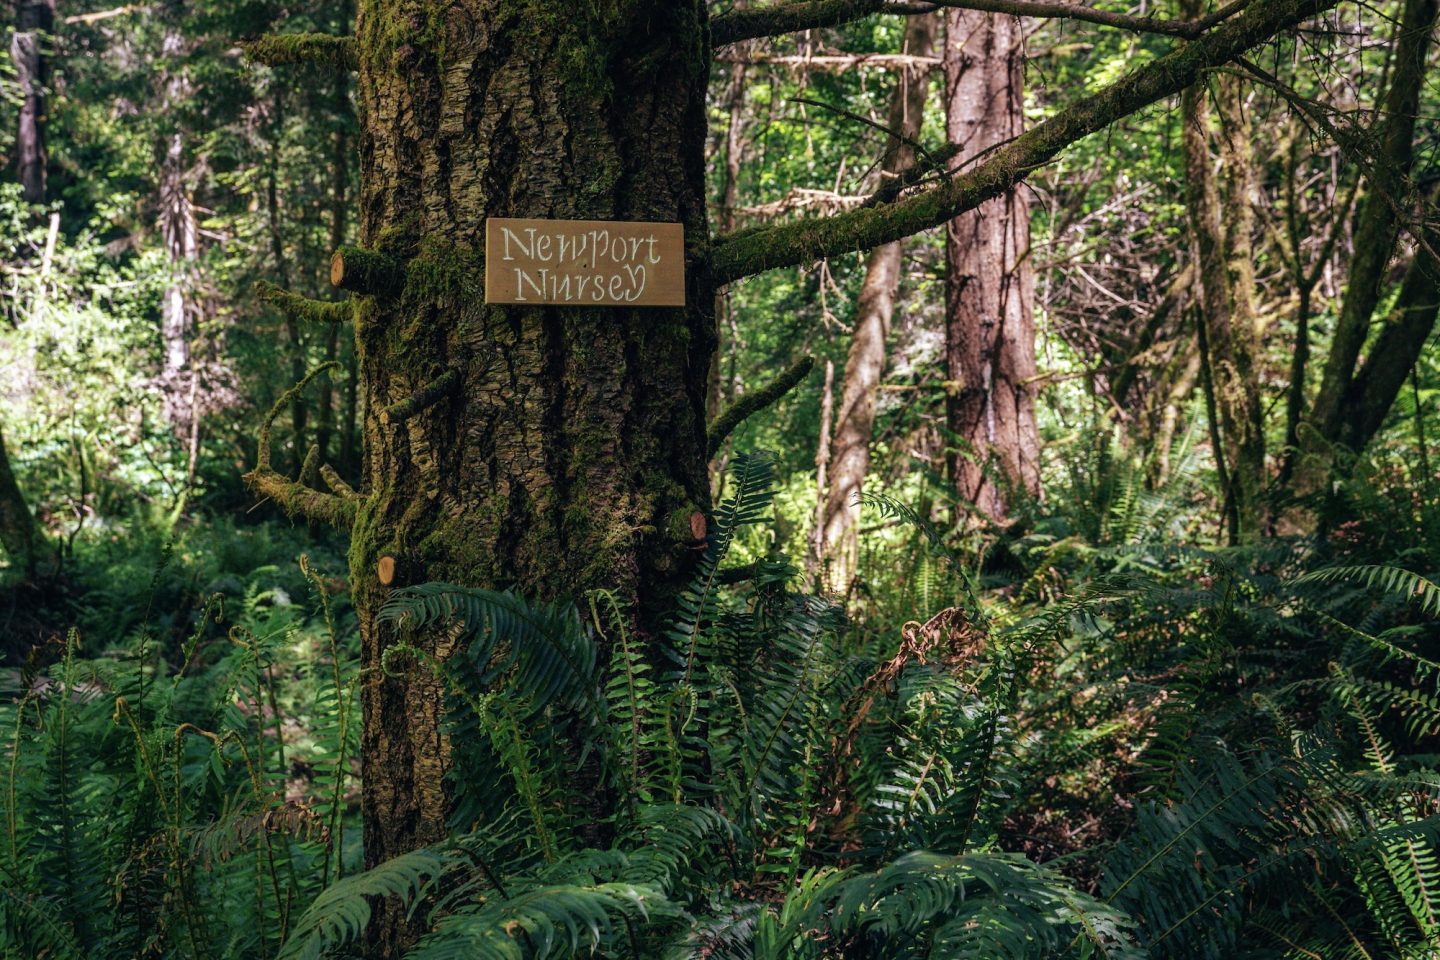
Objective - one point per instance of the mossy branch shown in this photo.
(304, 309)
(755, 251)
(366, 271)
(812, 14)
(427, 396)
(337, 484)
(296, 499)
(752, 403)
(321, 49)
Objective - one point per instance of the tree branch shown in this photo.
(284, 49)
(755, 251)
(427, 396)
(366, 271)
(296, 499)
(752, 403)
(303, 308)
(811, 14)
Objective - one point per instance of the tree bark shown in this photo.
(1230, 341)
(1332, 417)
(855, 419)
(990, 282)
(572, 453)
(34, 25)
(181, 237)
(20, 534)
(1377, 225)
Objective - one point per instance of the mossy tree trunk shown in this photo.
(1220, 227)
(572, 453)
(990, 282)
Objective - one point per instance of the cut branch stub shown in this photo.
(385, 571)
(366, 271)
(427, 396)
(323, 49)
(752, 403)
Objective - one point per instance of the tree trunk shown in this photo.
(855, 419)
(181, 236)
(572, 454)
(1229, 340)
(1377, 231)
(20, 535)
(34, 24)
(990, 282)
(340, 154)
(1389, 361)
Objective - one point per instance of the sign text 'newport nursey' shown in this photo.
(595, 263)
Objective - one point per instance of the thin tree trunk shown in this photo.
(20, 534)
(339, 211)
(1347, 410)
(1377, 227)
(572, 455)
(1229, 342)
(280, 263)
(855, 419)
(1394, 353)
(990, 281)
(34, 25)
(822, 466)
(182, 245)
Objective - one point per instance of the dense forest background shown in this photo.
(1065, 587)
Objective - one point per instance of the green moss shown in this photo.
(323, 49)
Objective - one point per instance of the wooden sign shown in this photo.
(584, 263)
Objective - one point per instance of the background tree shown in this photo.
(990, 279)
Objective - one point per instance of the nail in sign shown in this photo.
(584, 263)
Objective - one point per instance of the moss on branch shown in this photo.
(752, 403)
(427, 396)
(304, 309)
(295, 498)
(788, 18)
(285, 49)
(366, 271)
(754, 251)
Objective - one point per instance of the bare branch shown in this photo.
(754, 251)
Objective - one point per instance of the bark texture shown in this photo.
(572, 453)
(855, 418)
(34, 24)
(990, 282)
(1345, 405)
(1230, 342)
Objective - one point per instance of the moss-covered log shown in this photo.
(286, 49)
(755, 251)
